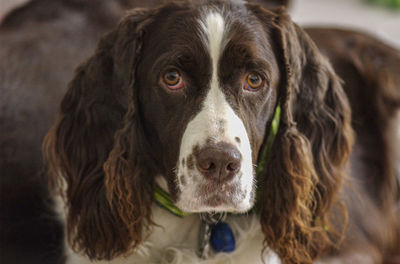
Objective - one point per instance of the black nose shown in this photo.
(218, 162)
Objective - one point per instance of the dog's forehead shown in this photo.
(194, 29)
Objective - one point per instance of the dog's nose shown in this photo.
(218, 162)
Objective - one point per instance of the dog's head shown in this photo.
(204, 119)
(188, 92)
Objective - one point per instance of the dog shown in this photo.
(195, 126)
(183, 97)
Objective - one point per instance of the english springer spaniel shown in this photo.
(232, 115)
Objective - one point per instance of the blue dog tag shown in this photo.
(222, 238)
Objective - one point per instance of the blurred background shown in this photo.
(380, 17)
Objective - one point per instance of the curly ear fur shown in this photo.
(94, 148)
(306, 167)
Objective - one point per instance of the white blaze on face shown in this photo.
(218, 121)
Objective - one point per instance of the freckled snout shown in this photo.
(218, 162)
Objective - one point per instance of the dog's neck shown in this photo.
(175, 240)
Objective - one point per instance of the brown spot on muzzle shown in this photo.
(237, 139)
(183, 179)
(190, 162)
(221, 126)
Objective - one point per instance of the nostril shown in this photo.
(209, 166)
(233, 167)
(206, 165)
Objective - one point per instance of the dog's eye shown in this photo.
(173, 79)
(254, 82)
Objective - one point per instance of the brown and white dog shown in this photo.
(183, 95)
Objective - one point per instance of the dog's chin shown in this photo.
(216, 204)
(217, 201)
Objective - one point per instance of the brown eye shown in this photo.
(173, 79)
(254, 82)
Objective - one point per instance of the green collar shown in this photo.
(164, 200)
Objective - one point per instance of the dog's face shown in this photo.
(207, 87)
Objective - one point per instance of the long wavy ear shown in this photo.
(306, 167)
(94, 147)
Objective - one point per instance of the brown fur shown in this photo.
(97, 171)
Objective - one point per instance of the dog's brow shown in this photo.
(213, 26)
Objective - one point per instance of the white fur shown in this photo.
(205, 124)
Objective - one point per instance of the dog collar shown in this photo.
(266, 152)
(164, 200)
(213, 231)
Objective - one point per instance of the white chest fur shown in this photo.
(175, 240)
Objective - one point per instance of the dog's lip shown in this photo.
(216, 200)
(216, 197)
(217, 194)
(219, 189)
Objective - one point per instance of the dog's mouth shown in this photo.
(226, 191)
(216, 200)
(207, 195)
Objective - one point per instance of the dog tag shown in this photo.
(222, 238)
(208, 223)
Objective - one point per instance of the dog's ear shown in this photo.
(306, 167)
(94, 147)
